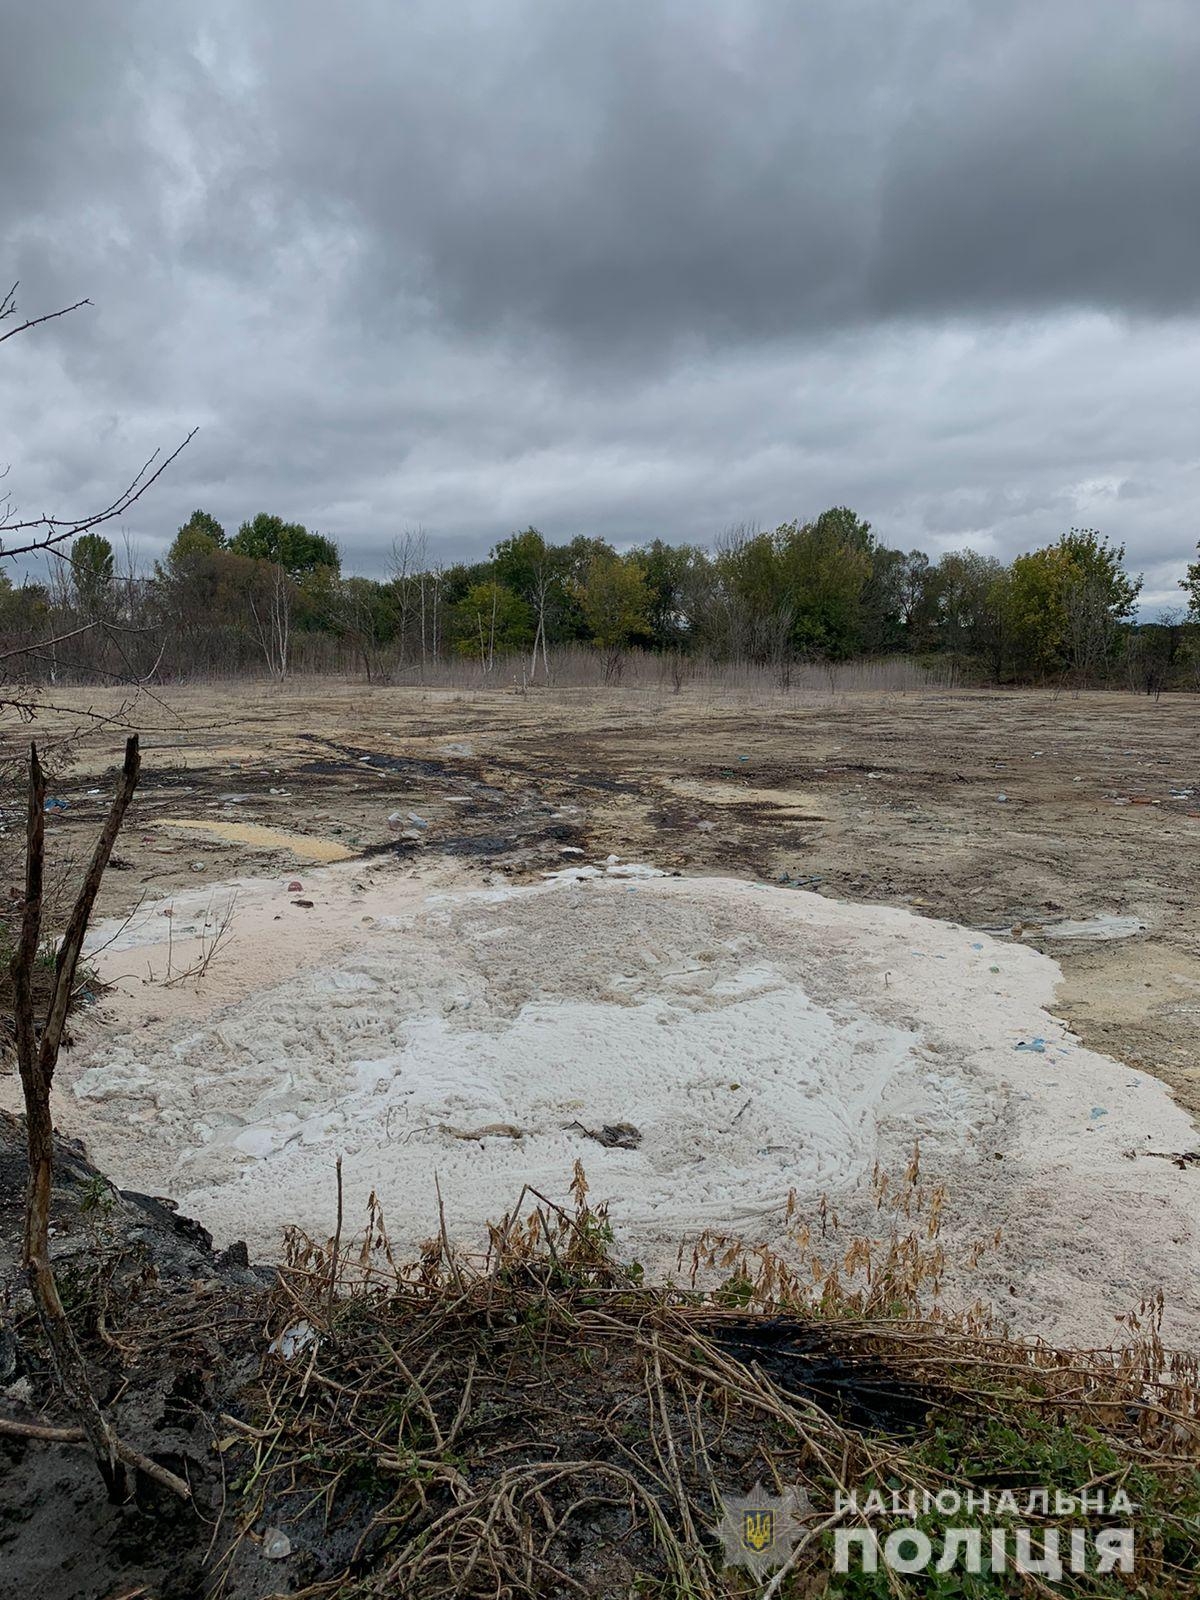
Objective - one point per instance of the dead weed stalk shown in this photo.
(538, 1421)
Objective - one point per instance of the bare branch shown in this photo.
(8, 307)
(58, 529)
(72, 941)
(43, 644)
(37, 1064)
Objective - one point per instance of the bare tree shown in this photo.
(21, 535)
(406, 569)
(1090, 627)
(545, 588)
(272, 614)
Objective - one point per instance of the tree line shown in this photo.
(265, 597)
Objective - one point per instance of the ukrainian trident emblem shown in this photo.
(759, 1531)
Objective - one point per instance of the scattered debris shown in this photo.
(1035, 1047)
(613, 1135)
(294, 1339)
(276, 1546)
(1181, 1158)
(493, 1130)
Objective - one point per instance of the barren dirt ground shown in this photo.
(993, 809)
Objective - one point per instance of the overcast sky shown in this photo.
(633, 268)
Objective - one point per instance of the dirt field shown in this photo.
(1005, 812)
(888, 798)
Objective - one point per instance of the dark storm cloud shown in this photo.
(646, 174)
(634, 269)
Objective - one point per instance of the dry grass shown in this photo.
(542, 1423)
(582, 667)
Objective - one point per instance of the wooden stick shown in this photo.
(132, 1457)
(37, 1064)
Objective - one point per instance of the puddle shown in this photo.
(261, 838)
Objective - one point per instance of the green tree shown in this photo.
(974, 607)
(538, 573)
(1191, 586)
(92, 572)
(202, 531)
(673, 575)
(1068, 601)
(289, 545)
(803, 586)
(917, 596)
(615, 604)
(200, 537)
(490, 621)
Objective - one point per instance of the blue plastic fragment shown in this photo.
(1036, 1047)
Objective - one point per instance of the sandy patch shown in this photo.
(761, 1039)
(784, 803)
(256, 836)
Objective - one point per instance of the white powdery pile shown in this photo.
(761, 1040)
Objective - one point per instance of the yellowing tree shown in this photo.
(1067, 602)
(616, 608)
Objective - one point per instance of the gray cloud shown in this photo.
(637, 269)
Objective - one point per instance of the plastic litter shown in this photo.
(294, 1339)
(1097, 1112)
(1035, 1047)
(295, 887)
(276, 1546)
(53, 803)
(1002, 798)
